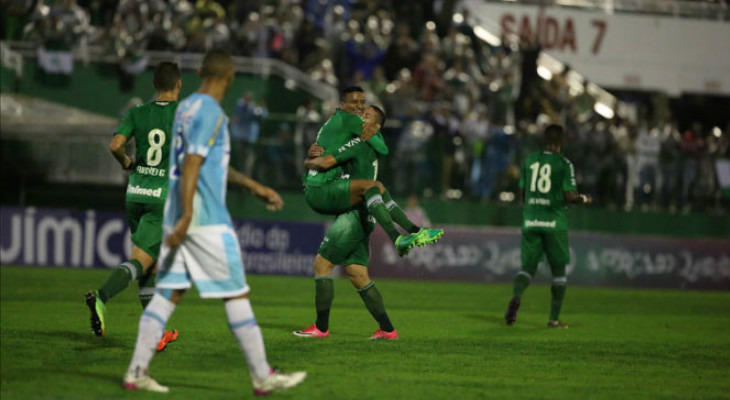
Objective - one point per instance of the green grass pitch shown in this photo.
(649, 344)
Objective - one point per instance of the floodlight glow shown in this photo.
(603, 110)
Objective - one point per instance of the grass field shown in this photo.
(621, 343)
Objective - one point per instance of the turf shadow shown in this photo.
(84, 341)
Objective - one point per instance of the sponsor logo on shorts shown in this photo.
(144, 191)
(539, 224)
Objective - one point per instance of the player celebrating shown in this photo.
(548, 182)
(200, 244)
(149, 125)
(347, 241)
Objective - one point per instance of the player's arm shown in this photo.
(118, 144)
(371, 134)
(188, 183)
(118, 149)
(266, 194)
(328, 161)
(570, 189)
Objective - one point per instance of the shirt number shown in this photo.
(541, 182)
(156, 138)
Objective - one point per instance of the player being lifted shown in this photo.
(150, 125)
(547, 180)
(331, 191)
(347, 241)
(200, 244)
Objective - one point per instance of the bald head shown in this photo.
(217, 64)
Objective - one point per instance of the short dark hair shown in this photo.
(166, 76)
(381, 114)
(350, 89)
(554, 134)
(216, 64)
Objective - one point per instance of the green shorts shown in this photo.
(332, 198)
(347, 241)
(553, 244)
(145, 223)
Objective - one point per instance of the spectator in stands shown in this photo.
(246, 128)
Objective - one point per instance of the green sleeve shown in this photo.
(569, 177)
(377, 142)
(348, 153)
(126, 128)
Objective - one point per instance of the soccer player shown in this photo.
(149, 125)
(333, 192)
(200, 245)
(548, 182)
(347, 241)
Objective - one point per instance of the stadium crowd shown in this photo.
(462, 114)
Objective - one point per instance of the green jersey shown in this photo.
(150, 124)
(359, 160)
(339, 130)
(545, 177)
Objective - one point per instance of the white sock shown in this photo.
(151, 326)
(244, 327)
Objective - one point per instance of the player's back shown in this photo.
(151, 125)
(545, 177)
(200, 128)
(340, 128)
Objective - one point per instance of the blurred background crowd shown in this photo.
(462, 113)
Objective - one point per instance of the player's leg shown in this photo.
(147, 241)
(151, 328)
(558, 254)
(372, 193)
(373, 301)
(424, 236)
(122, 275)
(531, 253)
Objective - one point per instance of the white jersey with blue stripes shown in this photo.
(200, 127)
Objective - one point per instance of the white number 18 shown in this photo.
(543, 182)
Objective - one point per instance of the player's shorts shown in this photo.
(347, 241)
(553, 244)
(210, 257)
(332, 198)
(145, 224)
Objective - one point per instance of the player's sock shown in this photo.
(248, 334)
(123, 274)
(374, 303)
(146, 288)
(324, 294)
(558, 293)
(375, 204)
(151, 326)
(397, 214)
(522, 280)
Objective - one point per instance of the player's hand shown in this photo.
(315, 150)
(313, 163)
(179, 233)
(128, 164)
(587, 199)
(271, 198)
(368, 131)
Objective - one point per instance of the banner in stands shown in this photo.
(621, 50)
(493, 255)
(93, 239)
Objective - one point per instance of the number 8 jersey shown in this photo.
(151, 125)
(545, 177)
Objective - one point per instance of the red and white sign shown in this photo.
(669, 54)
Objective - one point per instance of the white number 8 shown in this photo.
(156, 139)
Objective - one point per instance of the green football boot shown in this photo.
(404, 243)
(425, 236)
(98, 312)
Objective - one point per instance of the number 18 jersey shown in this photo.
(151, 125)
(545, 177)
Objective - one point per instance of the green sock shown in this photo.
(375, 204)
(522, 281)
(324, 294)
(558, 293)
(397, 214)
(374, 303)
(146, 288)
(120, 278)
